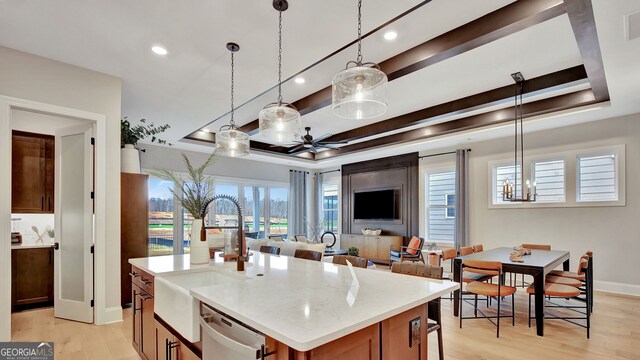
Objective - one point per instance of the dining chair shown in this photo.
(270, 250)
(449, 254)
(354, 260)
(434, 311)
(498, 291)
(308, 255)
(558, 291)
(582, 275)
(466, 250)
(478, 248)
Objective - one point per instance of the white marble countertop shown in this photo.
(32, 244)
(302, 303)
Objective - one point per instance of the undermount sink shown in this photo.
(174, 304)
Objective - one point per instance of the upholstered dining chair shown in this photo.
(270, 250)
(354, 260)
(498, 291)
(308, 255)
(434, 312)
(478, 248)
(531, 247)
(411, 252)
(466, 250)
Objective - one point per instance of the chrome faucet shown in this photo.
(241, 257)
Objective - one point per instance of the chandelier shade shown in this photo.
(232, 142)
(279, 123)
(359, 92)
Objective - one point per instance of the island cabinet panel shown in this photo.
(169, 345)
(397, 342)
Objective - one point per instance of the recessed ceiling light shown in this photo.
(390, 35)
(205, 130)
(300, 80)
(159, 50)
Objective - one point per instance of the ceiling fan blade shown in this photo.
(320, 138)
(301, 146)
(331, 146)
(332, 142)
(313, 149)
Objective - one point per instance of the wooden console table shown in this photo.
(372, 247)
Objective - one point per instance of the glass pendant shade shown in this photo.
(232, 143)
(359, 92)
(279, 123)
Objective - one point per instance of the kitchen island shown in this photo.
(306, 309)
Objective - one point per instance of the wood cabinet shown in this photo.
(134, 226)
(32, 173)
(374, 248)
(170, 346)
(143, 323)
(393, 338)
(31, 276)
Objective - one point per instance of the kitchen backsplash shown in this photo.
(41, 221)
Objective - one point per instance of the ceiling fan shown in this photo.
(310, 144)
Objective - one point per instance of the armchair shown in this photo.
(412, 252)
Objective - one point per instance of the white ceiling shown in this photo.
(190, 86)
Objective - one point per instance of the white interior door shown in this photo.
(73, 260)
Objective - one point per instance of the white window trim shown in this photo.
(493, 165)
(571, 178)
(616, 167)
(425, 206)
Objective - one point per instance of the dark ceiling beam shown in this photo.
(500, 23)
(583, 22)
(540, 107)
(458, 106)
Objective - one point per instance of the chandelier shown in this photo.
(510, 189)
(360, 90)
(280, 121)
(230, 141)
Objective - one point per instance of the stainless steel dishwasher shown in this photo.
(225, 338)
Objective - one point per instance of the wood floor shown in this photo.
(615, 334)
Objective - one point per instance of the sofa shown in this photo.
(287, 247)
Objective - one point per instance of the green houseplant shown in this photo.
(353, 251)
(129, 137)
(196, 187)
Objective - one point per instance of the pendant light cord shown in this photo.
(280, 58)
(359, 58)
(232, 122)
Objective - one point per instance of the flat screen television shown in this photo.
(375, 205)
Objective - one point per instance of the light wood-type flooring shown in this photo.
(615, 334)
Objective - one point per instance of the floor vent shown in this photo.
(633, 25)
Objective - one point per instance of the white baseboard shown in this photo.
(109, 316)
(616, 288)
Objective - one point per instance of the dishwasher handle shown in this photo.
(240, 348)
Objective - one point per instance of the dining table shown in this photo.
(537, 264)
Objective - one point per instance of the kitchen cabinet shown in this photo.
(143, 323)
(32, 173)
(31, 276)
(134, 226)
(170, 347)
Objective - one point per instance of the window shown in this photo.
(278, 210)
(597, 178)
(502, 173)
(440, 205)
(253, 208)
(330, 207)
(548, 180)
(161, 225)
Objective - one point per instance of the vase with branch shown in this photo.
(129, 137)
(192, 191)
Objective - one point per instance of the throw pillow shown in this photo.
(413, 245)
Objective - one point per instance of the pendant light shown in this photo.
(279, 122)
(510, 189)
(230, 141)
(360, 90)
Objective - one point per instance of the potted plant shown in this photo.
(196, 189)
(129, 137)
(353, 251)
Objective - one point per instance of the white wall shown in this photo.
(169, 158)
(612, 232)
(34, 78)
